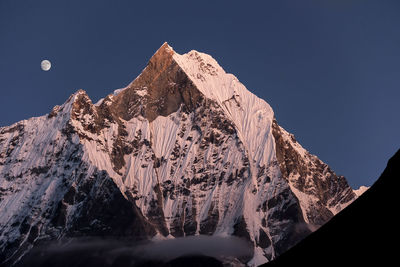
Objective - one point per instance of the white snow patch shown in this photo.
(258, 258)
(361, 190)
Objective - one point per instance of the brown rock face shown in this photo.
(163, 87)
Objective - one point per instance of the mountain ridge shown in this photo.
(360, 234)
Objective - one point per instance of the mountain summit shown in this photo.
(185, 149)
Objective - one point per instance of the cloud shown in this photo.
(109, 252)
(212, 246)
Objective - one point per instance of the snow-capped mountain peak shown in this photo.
(185, 149)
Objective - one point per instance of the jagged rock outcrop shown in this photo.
(321, 192)
(185, 149)
(361, 235)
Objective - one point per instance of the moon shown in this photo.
(45, 65)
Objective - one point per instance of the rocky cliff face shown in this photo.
(185, 149)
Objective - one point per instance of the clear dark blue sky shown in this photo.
(329, 68)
